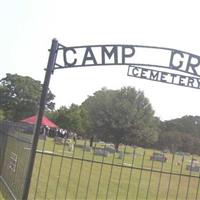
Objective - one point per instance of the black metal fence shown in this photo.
(15, 144)
(72, 169)
(66, 169)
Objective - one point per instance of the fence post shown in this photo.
(50, 67)
(3, 141)
(3, 137)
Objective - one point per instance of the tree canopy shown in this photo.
(181, 134)
(20, 96)
(72, 118)
(121, 116)
(117, 116)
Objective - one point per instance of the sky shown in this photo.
(28, 27)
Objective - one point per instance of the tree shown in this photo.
(186, 124)
(59, 116)
(171, 140)
(181, 134)
(72, 118)
(121, 116)
(20, 96)
(2, 116)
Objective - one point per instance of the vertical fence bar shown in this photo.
(80, 171)
(3, 144)
(196, 196)
(159, 182)
(131, 171)
(50, 169)
(121, 168)
(70, 169)
(50, 66)
(101, 169)
(39, 169)
(60, 168)
(179, 181)
(170, 176)
(142, 167)
(111, 172)
(1, 147)
(149, 185)
(188, 186)
(90, 174)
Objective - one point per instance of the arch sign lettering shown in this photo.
(152, 63)
(147, 62)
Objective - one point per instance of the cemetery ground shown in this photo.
(81, 174)
(1, 197)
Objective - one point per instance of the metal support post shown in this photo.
(50, 67)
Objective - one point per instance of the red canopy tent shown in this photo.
(45, 121)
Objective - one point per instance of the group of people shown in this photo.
(56, 132)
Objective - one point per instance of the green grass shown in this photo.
(1, 197)
(90, 177)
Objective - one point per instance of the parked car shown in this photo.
(158, 157)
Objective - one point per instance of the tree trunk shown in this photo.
(91, 141)
(116, 147)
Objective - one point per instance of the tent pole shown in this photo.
(49, 71)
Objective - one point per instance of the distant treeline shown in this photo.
(118, 116)
(181, 134)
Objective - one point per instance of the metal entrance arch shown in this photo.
(186, 66)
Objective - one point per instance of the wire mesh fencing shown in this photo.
(74, 169)
(15, 145)
(67, 169)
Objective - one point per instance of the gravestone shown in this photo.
(101, 152)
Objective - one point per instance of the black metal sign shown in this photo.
(164, 77)
(185, 65)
